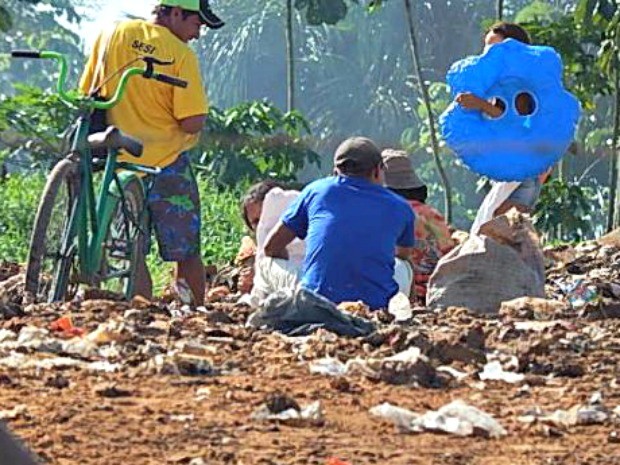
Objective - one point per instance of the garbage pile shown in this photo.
(539, 369)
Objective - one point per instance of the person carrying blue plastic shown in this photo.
(525, 196)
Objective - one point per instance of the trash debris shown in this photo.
(401, 417)
(64, 325)
(14, 413)
(577, 415)
(111, 390)
(580, 293)
(493, 371)
(456, 418)
(279, 407)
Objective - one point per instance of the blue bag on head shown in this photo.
(514, 146)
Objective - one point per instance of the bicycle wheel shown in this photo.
(52, 245)
(123, 247)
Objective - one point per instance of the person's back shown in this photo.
(356, 231)
(150, 110)
(354, 226)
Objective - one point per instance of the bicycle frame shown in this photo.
(92, 215)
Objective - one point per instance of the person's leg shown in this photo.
(174, 204)
(523, 198)
(192, 271)
(143, 284)
(274, 274)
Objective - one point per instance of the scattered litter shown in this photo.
(329, 367)
(493, 371)
(577, 415)
(401, 417)
(14, 413)
(279, 407)
(580, 293)
(456, 418)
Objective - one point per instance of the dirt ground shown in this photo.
(182, 388)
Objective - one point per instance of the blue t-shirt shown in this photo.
(351, 228)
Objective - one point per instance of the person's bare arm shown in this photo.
(473, 102)
(193, 124)
(278, 239)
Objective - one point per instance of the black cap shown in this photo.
(201, 7)
(357, 156)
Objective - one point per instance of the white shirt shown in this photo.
(276, 202)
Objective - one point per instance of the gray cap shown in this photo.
(357, 156)
(398, 170)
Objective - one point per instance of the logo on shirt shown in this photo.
(142, 47)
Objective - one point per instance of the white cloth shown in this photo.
(276, 202)
(498, 194)
(403, 275)
(274, 274)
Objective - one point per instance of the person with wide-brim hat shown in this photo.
(432, 234)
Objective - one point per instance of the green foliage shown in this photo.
(6, 22)
(222, 226)
(19, 197)
(570, 211)
(34, 24)
(32, 120)
(253, 141)
(578, 47)
(536, 11)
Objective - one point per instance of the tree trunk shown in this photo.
(290, 58)
(499, 10)
(431, 117)
(613, 220)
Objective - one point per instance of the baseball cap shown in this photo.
(357, 155)
(398, 172)
(201, 7)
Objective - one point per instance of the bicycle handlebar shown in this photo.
(90, 101)
(25, 54)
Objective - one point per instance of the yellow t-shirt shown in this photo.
(150, 110)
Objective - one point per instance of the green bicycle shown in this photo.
(82, 235)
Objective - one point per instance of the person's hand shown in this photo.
(470, 101)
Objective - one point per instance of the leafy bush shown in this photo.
(571, 211)
(32, 121)
(19, 197)
(253, 141)
(222, 227)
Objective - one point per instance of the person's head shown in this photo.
(359, 157)
(252, 203)
(502, 30)
(184, 18)
(400, 177)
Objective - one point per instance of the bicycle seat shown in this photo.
(114, 138)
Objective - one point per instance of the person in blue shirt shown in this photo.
(353, 228)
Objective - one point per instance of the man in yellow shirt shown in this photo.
(167, 120)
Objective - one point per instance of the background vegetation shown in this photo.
(291, 78)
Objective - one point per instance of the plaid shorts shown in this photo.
(174, 210)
